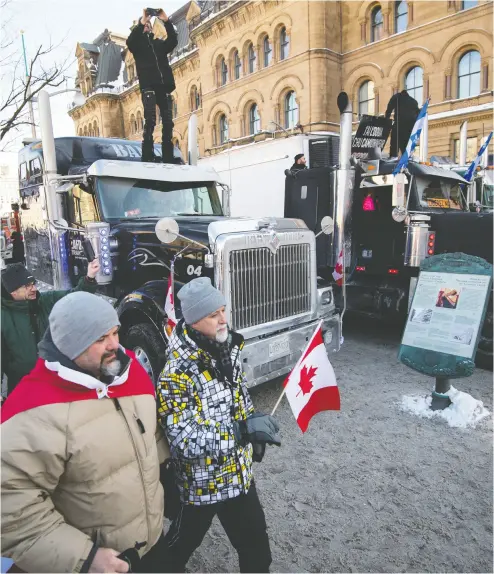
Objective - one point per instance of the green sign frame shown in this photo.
(425, 354)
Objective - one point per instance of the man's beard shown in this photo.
(111, 369)
(221, 335)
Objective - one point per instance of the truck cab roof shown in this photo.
(153, 171)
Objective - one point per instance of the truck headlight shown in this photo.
(326, 297)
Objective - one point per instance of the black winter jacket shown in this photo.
(404, 106)
(151, 56)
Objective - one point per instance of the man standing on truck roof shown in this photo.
(155, 81)
(213, 432)
(406, 110)
(25, 317)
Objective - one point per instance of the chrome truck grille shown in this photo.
(267, 287)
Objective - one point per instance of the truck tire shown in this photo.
(149, 348)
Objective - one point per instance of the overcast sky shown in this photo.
(64, 23)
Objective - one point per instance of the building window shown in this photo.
(466, 4)
(223, 126)
(414, 83)
(377, 24)
(96, 129)
(237, 65)
(133, 124)
(140, 125)
(469, 75)
(195, 101)
(366, 101)
(284, 44)
(472, 150)
(268, 52)
(291, 110)
(174, 107)
(223, 72)
(401, 16)
(252, 59)
(85, 128)
(254, 120)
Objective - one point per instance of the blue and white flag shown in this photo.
(473, 166)
(414, 138)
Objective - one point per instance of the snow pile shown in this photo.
(464, 412)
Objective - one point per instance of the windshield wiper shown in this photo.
(140, 218)
(195, 214)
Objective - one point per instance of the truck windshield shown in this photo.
(123, 198)
(439, 193)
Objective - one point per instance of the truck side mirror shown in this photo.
(167, 230)
(327, 226)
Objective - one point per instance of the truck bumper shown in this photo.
(266, 358)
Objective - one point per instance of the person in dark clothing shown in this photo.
(17, 248)
(25, 317)
(214, 433)
(406, 110)
(155, 81)
(299, 162)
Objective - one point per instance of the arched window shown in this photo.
(284, 44)
(291, 110)
(377, 24)
(254, 120)
(81, 132)
(251, 55)
(140, 125)
(194, 99)
(414, 83)
(174, 107)
(237, 66)
(469, 75)
(85, 130)
(366, 98)
(268, 51)
(223, 72)
(223, 128)
(401, 16)
(133, 124)
(198, 99)
(95, 128)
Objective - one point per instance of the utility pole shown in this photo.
(30, 102)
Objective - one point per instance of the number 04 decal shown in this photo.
(191, 270)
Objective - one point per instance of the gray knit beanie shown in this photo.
(79, 320)
(199, 299)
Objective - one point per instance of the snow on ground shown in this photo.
(463, 412)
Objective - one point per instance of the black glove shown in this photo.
(258, 428)
(258, 450)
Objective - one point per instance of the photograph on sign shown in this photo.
(446, 313)
(448, 298)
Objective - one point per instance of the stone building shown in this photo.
(251, 68)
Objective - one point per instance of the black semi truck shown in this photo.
(100, 189)
(383, 244)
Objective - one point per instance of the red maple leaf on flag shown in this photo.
(306, 376)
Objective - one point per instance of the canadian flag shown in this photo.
(311, 387)
(170, 309)
(338, 270)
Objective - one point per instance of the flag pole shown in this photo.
(319, 326)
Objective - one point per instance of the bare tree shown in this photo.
(19, 88)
